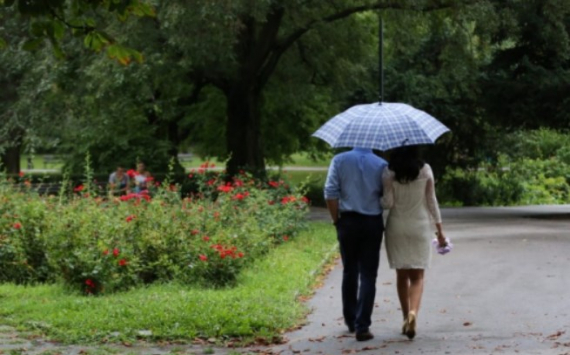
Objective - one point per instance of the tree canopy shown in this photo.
(250, 81)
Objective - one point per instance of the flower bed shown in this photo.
(102, 245)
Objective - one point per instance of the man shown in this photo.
(352, 191)
(119, 181)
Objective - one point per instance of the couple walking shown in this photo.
(358, 186)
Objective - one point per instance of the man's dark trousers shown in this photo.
(360, 237)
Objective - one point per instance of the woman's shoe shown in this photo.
(411, 329)
(405, 326)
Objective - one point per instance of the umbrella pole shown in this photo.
(381, 59)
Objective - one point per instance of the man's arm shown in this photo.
(332, 206)
(332, 191)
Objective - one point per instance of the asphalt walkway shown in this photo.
(504, 289)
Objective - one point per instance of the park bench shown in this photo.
(185, 157)
(51, 159)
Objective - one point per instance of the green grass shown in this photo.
(264, 302)
(298, 159)
(38, 162)
(301, 159)
(311, 177)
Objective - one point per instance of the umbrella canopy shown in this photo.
(381, 126)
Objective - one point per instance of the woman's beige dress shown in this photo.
(410, 227)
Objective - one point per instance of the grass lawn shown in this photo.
(264, 303)
(38, 163)
(298, 159)
(311, 177)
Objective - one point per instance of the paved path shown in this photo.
(505, 289)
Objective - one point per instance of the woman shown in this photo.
(409, 193)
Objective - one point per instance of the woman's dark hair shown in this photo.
(405, 162)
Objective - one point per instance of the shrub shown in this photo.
(519, 182)
(100, 245)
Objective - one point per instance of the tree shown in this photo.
(247, 41)
(14, 65)
(527, 82)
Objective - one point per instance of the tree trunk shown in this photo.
(11, 157)
(243, 131)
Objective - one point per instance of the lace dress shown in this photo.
(410, 227)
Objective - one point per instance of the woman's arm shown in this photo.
(433, 205)
(388, 187)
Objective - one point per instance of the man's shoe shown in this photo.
(363, 336)
(351, 328)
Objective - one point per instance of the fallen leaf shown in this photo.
(319, 339)
(555, 335)
(467, 324)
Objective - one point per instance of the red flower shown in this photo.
(238, 182)
(89, 283)
(79, 188)
(130, 218)
(123, 262)
(285, 200)
(149, 178)
(190, 176)
(285, 238)
(240, 255)
(225, 188)
(106, 252)
(132, 173)
(203, 257)
(271, 202)
(194, 231)
(21, 173)
(205, 238)
(210, 182)
(239, 196)
(305, 199)
(115, 252)
(273, 184)
(17, 225)
(216, 215)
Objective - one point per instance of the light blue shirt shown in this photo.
(355, 179)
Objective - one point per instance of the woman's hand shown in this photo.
(441, 240)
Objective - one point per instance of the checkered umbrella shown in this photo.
(382, 127)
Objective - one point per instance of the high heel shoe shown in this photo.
(405, 326)
(411, 329)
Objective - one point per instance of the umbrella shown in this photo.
(381, 126)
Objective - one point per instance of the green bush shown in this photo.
(530, 167)
(100, 245)
(519, 182)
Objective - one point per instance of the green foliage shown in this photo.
(50, 20)
(531, 168)
(101, 245)
(264, 302)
